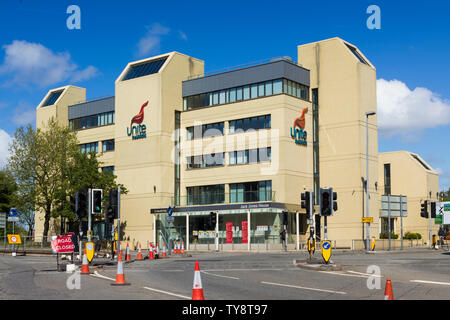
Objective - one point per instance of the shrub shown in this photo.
(385, 235)
(412, 236)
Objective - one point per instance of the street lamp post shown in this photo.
(370, 113)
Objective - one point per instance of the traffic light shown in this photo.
(114, 202)
(97, 200)
(285, 218)
(305, 203)
(82, 210)
(326, 202)
(109, 214)
(212, 219)
(335, 206)
(424, 209)
(433, 210)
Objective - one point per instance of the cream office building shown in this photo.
(244, 143)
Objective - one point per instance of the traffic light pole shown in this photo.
(89, 214)
(217, 231)
(312, 235)
(429, 224)
(118, 220)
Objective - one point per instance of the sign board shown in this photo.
(2, 219)
(90, 246)
(367, 220)
(13, 219)
(326, 250)
(14, 239)
(394, 206)
(170, 219)
(442, 207)
(169, 211)
(244, 228)
(438, 219)
(63, 244)
(229, 233)
(13, 212)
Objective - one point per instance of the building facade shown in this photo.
(242, 144)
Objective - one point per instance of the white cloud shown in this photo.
(5, 139)
(29, 63)
(401, 110)
(151, 42)
(183, 35)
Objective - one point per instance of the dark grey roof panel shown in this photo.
(91, 107)
(268, 71)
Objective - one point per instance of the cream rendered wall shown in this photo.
(347, 89)
(410, 178)
(291, 166)
(71, 95)
(143, 165)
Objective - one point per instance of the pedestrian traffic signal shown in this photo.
(305, 203)
(285, 218)
(97, 200)
(212, 219)
(82, 211)
(109, 214)
(424, 209)
(326, 202)
(114, 202)
(433, 210)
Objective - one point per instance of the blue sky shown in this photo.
(412, 47)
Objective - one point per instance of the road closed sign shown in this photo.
(14, 239)
(63, 245)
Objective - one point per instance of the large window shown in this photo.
(108, 145)
(252, 91)
(387, 178)
(206, 160)
(206, 194)
(255, 123)
(96, 120)
(144, 69)
(250, 156)
(89, 147)
(251, 191)
(206, 130)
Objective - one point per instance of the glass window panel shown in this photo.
(215, 98)
(277, 86)
(239, 125)
(240, 157)
(246, 93)
(260, 122)
(246, 124)
(261, 90)
(232, 95)
(222, 99)
(245, 156)
(232, 156)
(232, 126)
(268, 122)
(254, 123)
(253, 156)
(184, 104)
(268, 88)
(254, 91)
(239, 94)
(298, 89)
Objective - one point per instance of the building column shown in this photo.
(297, 230)
(154, 229)
(187, 231)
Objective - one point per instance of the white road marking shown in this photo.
(96, 274)
(366, 274)
(304, 288)
(169, 293)
(218, 275)
(431, 282)
(343, 274)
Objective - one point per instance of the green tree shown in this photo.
(8, 189)
(49, 167)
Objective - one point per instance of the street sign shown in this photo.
(63, 245)
(367, 220)
(394, 206)
(90, 250)
(13, 212)
(326, 250)
(14, 239)
(170, 211)
(438, 219)
(13, 219)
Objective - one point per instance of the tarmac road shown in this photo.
(415, 274)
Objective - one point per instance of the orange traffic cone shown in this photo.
(150, 251)
(164, 253)
(127, 257)
(139, 257)
(388, 294)
(120, 278)
(197, 289)
(182, 247)
(85, 265)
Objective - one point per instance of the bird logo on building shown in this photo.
(140, 116)
(300, 122)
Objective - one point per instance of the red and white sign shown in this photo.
(229, 234)
(63, 245)
(244, 231)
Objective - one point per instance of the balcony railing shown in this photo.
(223, 198)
